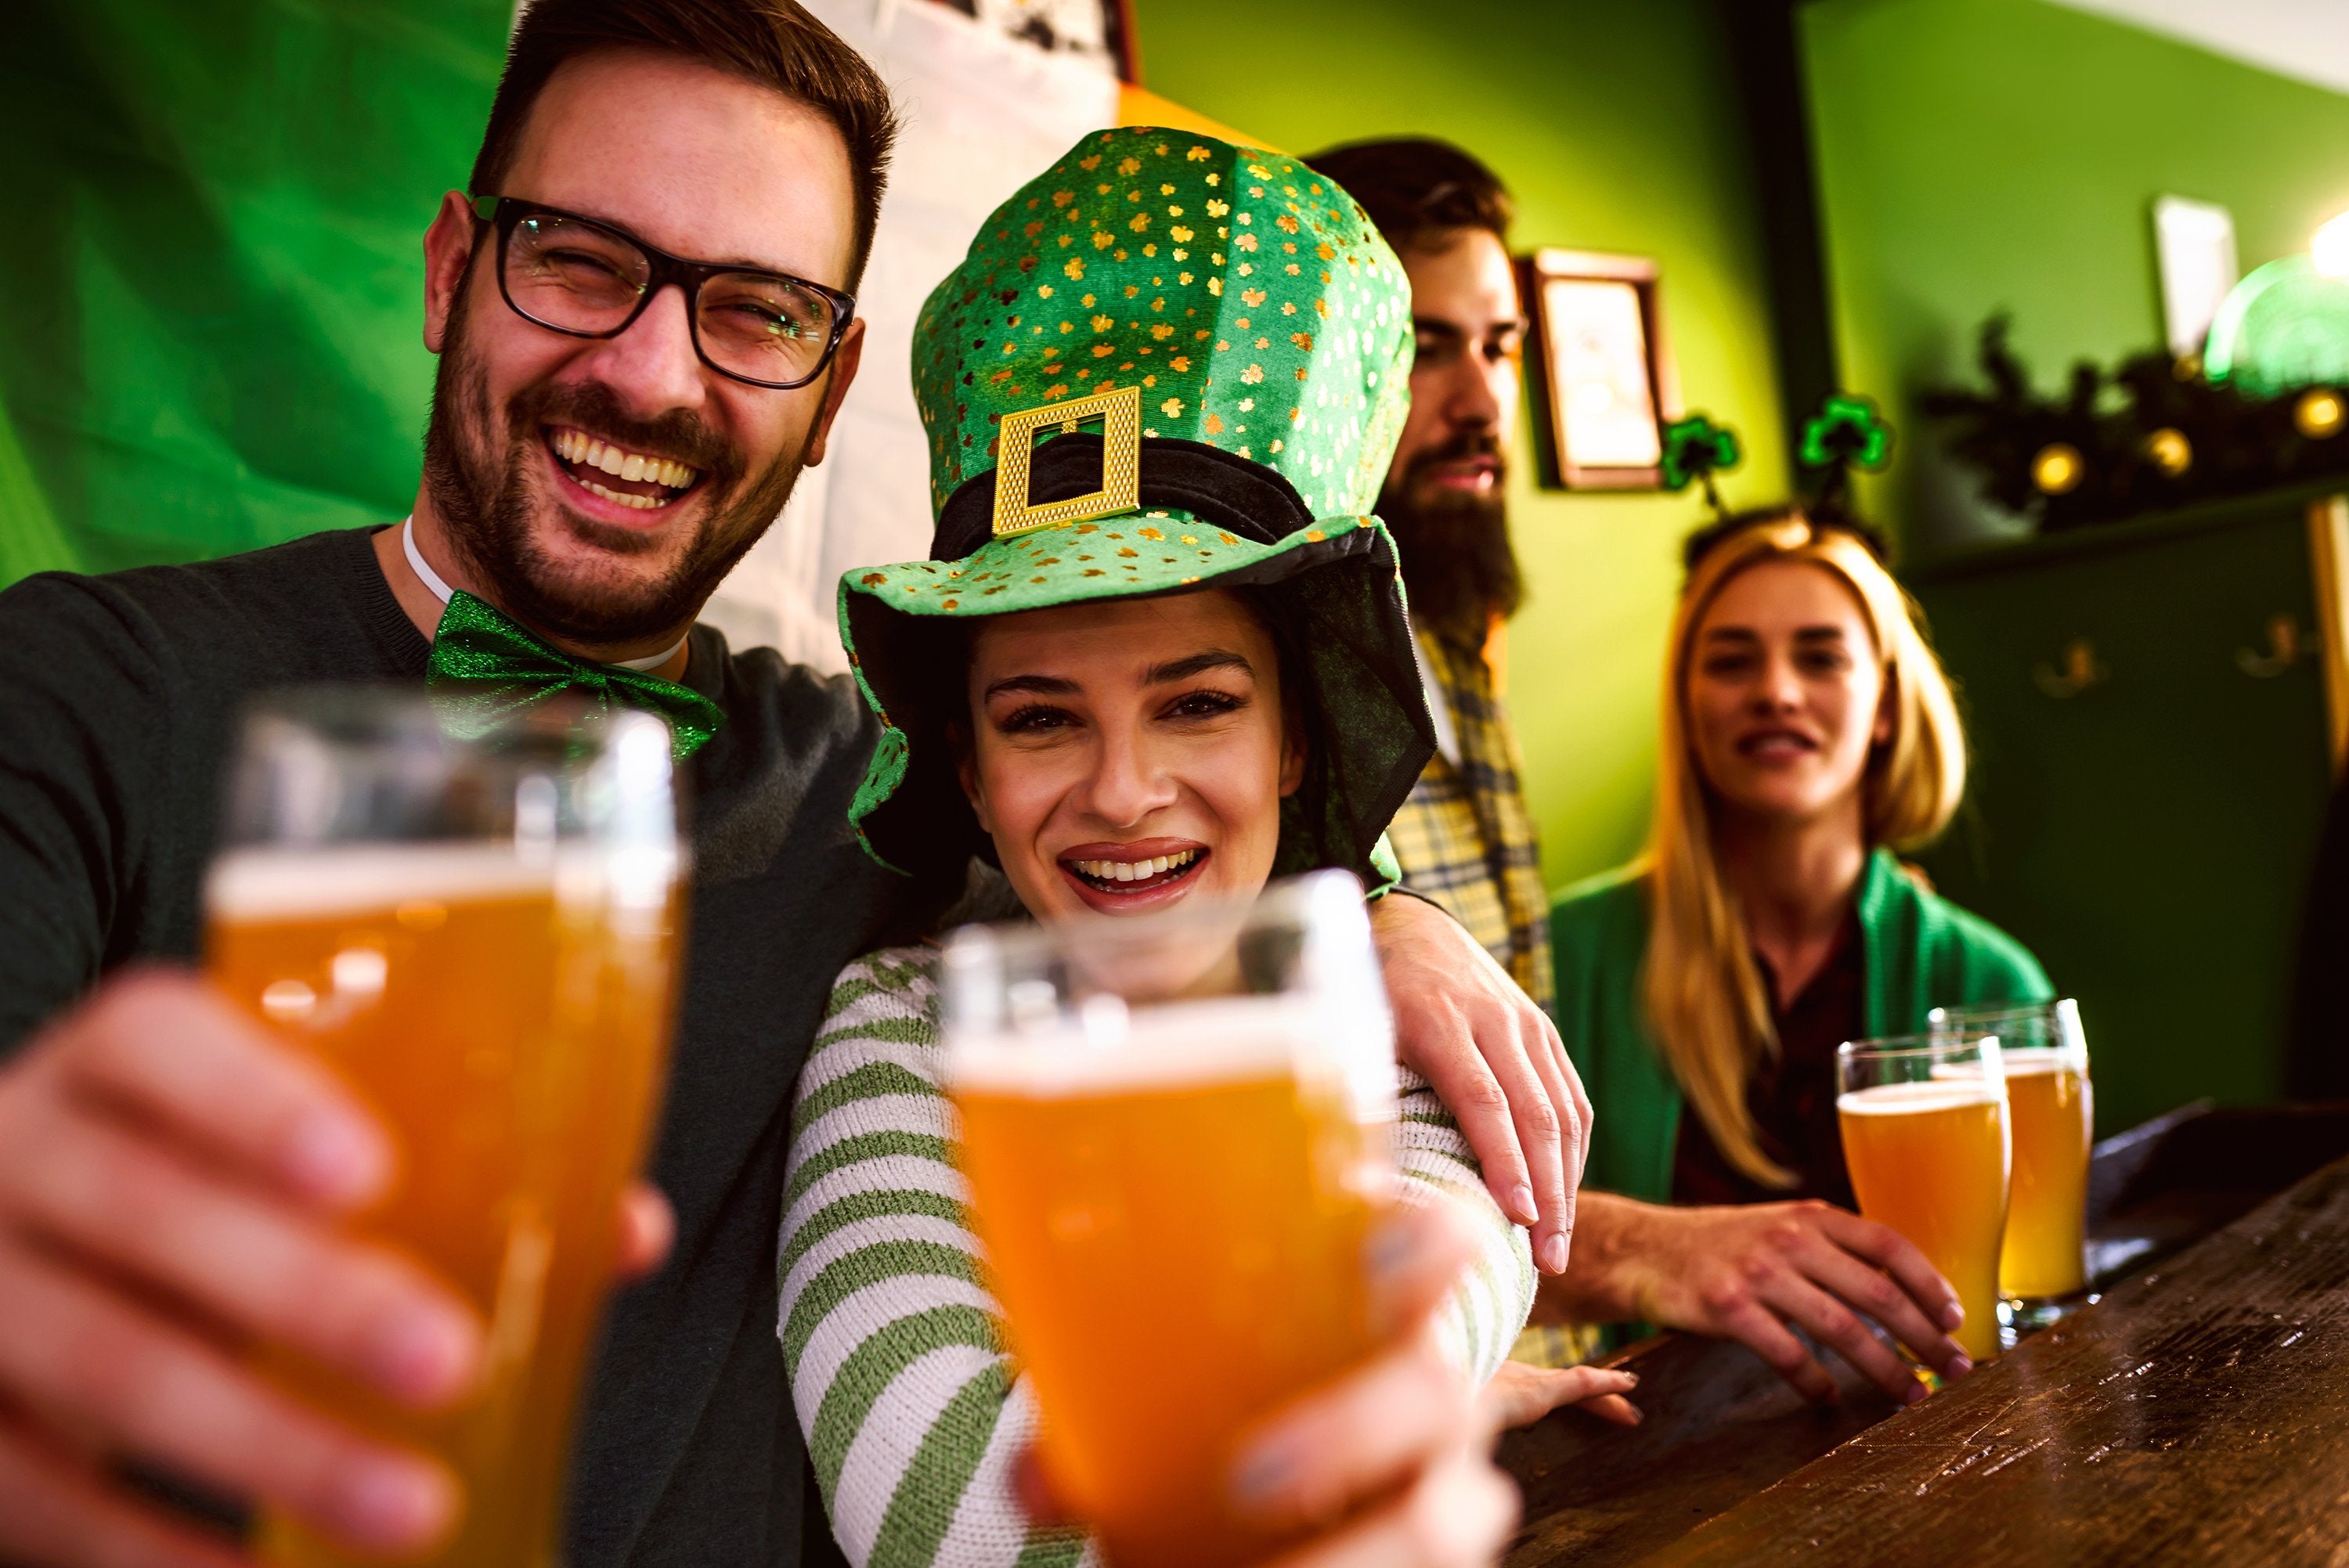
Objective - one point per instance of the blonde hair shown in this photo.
(1705, 999)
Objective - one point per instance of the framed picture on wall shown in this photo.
(1600, 367)
(1099, 32)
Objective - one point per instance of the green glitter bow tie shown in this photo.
(486, 667)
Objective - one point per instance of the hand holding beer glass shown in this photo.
(1176, 1131)
(2043, 1268)
(479, 936)
(1925, 1134)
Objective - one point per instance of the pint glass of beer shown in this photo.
(1925, 1134)
(1176, 1128)
(2043, 1271)
(478, 935)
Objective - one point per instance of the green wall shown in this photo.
(1617, 126)
(1976, 155)
(208, 292)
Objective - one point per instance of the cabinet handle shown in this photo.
(2081, 669)
(2287, 645)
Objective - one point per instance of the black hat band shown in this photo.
(1220, 488)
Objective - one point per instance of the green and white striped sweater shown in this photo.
(893, 1346)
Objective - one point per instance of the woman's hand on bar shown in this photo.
(172, 1182)
(1518, 1395)
(1756, 1272)
(1497, 1062)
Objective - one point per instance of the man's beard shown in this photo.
(486, 502)
(1458, 568)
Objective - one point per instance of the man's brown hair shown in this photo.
(772, 43)
(1418, 192)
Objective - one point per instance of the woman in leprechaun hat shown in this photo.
(1158, 653)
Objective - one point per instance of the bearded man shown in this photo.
(1464, 837)
(174, 1181)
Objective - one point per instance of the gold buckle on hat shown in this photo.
(1120, 412)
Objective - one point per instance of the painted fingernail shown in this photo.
(1521, 1204)
(398, 1504)
(1961, 1365)
(1391, 1249)
(1952, 1316)
(329, 1156)
(422, 1353)
(1263, 1473)
(1631, 1379)
(1553, 1254)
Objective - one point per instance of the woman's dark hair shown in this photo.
(770, 43)
(1299, 707)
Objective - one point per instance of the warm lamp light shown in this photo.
(2330, 248)
(2319, 414)
(2058, 469)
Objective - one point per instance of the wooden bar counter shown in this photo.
(2200, 1413)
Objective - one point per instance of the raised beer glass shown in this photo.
(1924, 1135)
(1177, 1131)
(2043, 1269)
(479, 937)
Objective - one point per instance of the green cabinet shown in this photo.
(2152, 731)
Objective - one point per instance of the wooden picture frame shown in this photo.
(1101, 30)
(1600, 369)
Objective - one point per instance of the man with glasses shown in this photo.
(613, 425)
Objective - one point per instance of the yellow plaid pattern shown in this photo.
(1465, 838)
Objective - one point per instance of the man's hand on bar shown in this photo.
(1756, 1272)
(171, 1184)
(1497, 1062)
(1390, 1466)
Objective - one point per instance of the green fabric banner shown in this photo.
(212, 273)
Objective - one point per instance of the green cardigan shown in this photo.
(1919, 952)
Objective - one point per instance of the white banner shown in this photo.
(982, 114)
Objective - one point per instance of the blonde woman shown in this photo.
(1808, 733)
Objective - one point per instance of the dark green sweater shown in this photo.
(1919, 951)
(118, 695)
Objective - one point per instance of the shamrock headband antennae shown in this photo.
(1697, 448)
(1848, 432)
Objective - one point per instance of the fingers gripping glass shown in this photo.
(588, 279)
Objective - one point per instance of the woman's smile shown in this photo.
(1777, 744)
(1146, 875)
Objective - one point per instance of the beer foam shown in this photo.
(1913, 1099)
(271, 885)
(2024, 1060)
(1182, 1045)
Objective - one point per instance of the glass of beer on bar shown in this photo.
(1177, 1130)
(2042, 1271)
(1925, 1134)
(479, 937)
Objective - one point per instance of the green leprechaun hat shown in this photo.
(1167, 364)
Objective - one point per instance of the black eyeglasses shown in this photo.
(588, 279)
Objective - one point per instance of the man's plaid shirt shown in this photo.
(1464, 837)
